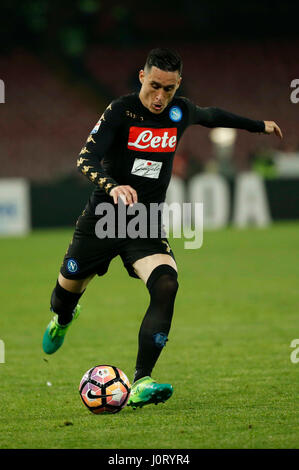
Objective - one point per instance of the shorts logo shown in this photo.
(72, 266)
(175, 113)
(152, 140)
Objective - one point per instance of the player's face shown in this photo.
(158, 88)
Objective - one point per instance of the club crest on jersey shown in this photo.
(175, 113)
(72, 266)
(143, 139)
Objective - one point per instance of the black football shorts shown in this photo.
(87, 254)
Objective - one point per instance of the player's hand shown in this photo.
(126, 193)
(270, 127)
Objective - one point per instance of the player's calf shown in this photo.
(65, 306)
(63, 303)
(153, 334)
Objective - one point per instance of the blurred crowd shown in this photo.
(64, 62)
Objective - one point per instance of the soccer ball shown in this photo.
(104, 389)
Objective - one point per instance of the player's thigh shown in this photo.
(144, 266)
(74, 285)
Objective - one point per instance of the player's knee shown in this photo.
(163, 279)
(167, 286)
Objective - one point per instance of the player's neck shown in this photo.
(143, 101)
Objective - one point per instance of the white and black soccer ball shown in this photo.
(105, 389)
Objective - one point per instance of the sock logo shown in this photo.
(72, 266)
(160, 339)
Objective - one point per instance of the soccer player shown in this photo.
(128, 156)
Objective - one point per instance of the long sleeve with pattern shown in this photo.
(98, 142)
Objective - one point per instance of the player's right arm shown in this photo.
(125, 192)
(98, 142)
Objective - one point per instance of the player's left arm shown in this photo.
(217, 117)
(271, 127)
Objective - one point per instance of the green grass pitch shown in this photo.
(228, 357)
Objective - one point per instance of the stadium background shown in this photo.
(62, 62)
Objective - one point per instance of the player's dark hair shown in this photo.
(164, 59)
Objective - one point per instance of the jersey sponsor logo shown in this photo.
(175, 113)
(72, 266)
(146, 168)
(152, 140)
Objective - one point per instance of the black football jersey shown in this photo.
(129, 145)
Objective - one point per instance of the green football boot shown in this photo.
(146, 391)
(55, 333)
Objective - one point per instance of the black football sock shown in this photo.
(162, 285)
(63, 303)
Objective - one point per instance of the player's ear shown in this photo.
(141, 76)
